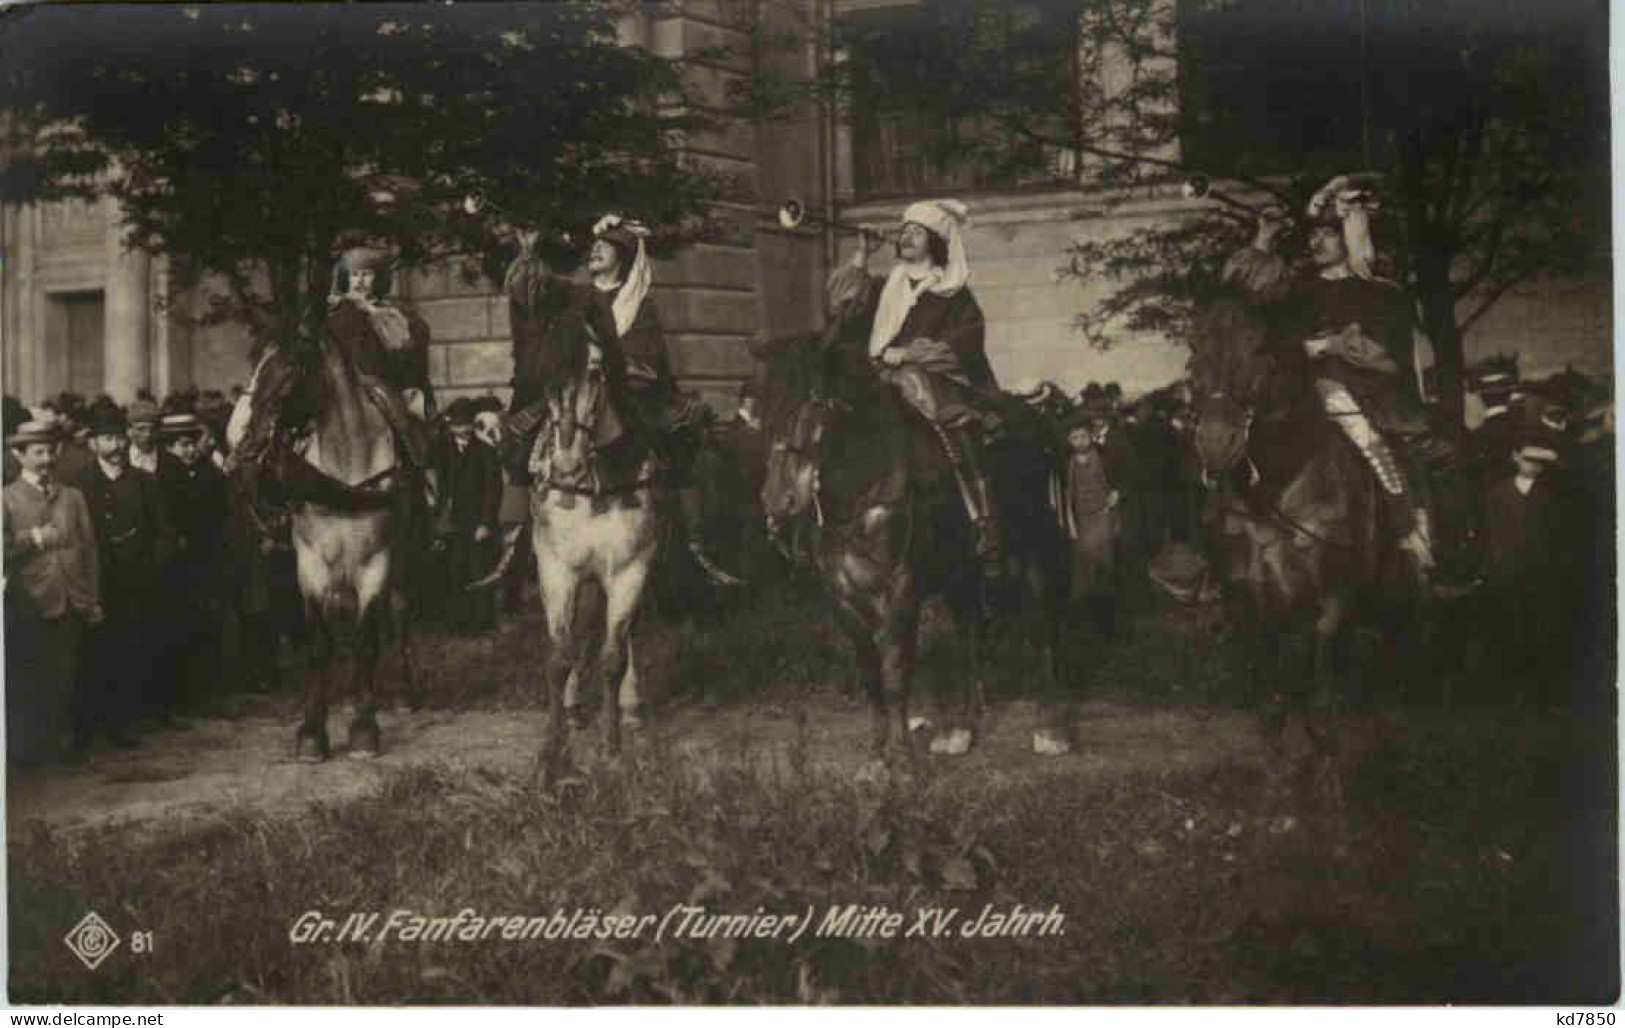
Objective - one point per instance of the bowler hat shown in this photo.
(460, 412)
(104, 417)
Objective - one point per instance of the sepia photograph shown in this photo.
(863, 503)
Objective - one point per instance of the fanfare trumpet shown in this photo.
(793, 213)
(1198, 187)
(476, 205)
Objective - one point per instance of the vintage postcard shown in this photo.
(809, 502)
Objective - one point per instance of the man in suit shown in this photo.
(53, 595)
(1090, 498)
(133, 541)
(195, 495)
(471, 480)
(1524, 566)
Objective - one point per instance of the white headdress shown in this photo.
(635, 285)
(1353, 200)
(947, 218)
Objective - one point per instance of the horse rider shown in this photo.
(922, 331)
(391, 346)
(1356, 329)
(622, 318)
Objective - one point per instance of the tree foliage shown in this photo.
(1486, 118)
(250, 140)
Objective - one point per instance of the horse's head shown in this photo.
(576, 408)
(794, 462)
(1224, 424)
(1231, 374)
(796, 421)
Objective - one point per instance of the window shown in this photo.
(1271, 86)
(968, 95)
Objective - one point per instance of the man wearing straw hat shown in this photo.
(197, 498)
(53, 595)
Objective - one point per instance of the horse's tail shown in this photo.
(340, 604)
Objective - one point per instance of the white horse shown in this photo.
(590, 522)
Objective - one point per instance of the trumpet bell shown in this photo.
(792, 213)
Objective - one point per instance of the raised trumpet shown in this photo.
(476, 204)
(794, 214)
(1198, 187)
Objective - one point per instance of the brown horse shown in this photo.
(350, 562)
(858, 487)
(1295, 523)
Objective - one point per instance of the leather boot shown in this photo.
(964, 448)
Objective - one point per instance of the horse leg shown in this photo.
(622, 593)
(970, 617)
(1323, 654)
(318, 657)
(559, 589)
(897, 640)
(403, 627)
(364, 740)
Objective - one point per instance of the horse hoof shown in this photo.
(319, 751)
(955, 743)
(364, 738)
(1049, 743)
(919, 724)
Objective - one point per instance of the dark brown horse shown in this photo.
(1295, 523)
(858, 487)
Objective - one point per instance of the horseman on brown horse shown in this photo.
(876, 474)
(1287, 371)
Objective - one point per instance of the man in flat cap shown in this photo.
(143, 430)
(53, 596)
(134, 541)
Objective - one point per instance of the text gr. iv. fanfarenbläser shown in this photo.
(681, 921)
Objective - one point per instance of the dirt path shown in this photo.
(246, 763)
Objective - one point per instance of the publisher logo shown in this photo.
(91, 940)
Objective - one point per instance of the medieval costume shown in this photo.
(926, 336)
(390, 346)
(1356, 328)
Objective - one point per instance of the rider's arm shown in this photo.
(1355, 346)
